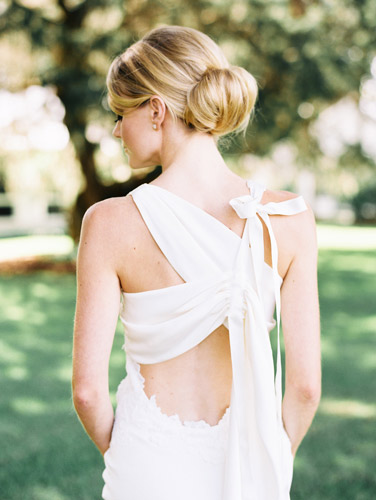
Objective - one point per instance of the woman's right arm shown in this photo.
(301, 331)
(97, 309)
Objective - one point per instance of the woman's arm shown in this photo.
(97, 309)
(301, 331)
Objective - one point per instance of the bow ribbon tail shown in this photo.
(256, 243)
(277, 294)
(239, 478)
(262, 428)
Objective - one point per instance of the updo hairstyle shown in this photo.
(190, 73)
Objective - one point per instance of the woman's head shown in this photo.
(188, 70)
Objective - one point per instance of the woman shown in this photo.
(198, 258)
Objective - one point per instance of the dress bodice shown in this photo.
(226, 281)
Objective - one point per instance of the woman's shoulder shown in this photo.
(110, 208)
(294, 233)
(276, 196)
(110, 218)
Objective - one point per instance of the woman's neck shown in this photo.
(194, 159)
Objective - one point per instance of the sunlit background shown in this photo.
(40, 175)
(314, 133)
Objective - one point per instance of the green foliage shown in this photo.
(364, 204)
(304, 55)
(313, 53)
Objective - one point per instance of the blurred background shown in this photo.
(314, 132)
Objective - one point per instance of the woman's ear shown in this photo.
(157, 109)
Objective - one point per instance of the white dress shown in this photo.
(247, 455)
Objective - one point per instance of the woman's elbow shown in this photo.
(307, 391)
(311, 393)
(84, 395)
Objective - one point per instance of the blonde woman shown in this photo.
(198, 260)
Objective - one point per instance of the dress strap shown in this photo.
(196, 244)
(250, 207)
(183, 242)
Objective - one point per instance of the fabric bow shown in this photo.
(248, 207)
(247, 364)
(245, 206)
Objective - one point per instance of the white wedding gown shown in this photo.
(247, 455)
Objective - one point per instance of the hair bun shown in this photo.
(221, 101)
(190, 72)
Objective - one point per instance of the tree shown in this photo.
(305, 56)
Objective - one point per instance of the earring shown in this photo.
(154, 126)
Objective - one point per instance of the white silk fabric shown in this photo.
(226, 281)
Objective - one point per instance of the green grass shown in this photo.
(45, 454)
(336, 459)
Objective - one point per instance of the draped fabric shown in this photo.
(226, 281)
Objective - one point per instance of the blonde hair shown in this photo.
(189, 71)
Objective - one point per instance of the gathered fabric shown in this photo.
(226, 282)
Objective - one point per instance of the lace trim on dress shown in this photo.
(185, 423)
(140, 418)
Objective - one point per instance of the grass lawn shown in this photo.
(45, 455)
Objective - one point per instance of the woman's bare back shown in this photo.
(197, 384)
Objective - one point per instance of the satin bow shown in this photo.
(252, 355)
(250, 207)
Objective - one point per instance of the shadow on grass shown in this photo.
(337, 457)
(336, 460)
(348, 318)
(47, 456)
(45, 452)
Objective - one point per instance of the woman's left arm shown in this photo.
(301, 329)
(97, 309)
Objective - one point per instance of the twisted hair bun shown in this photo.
(189, 71)
(222, 101)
